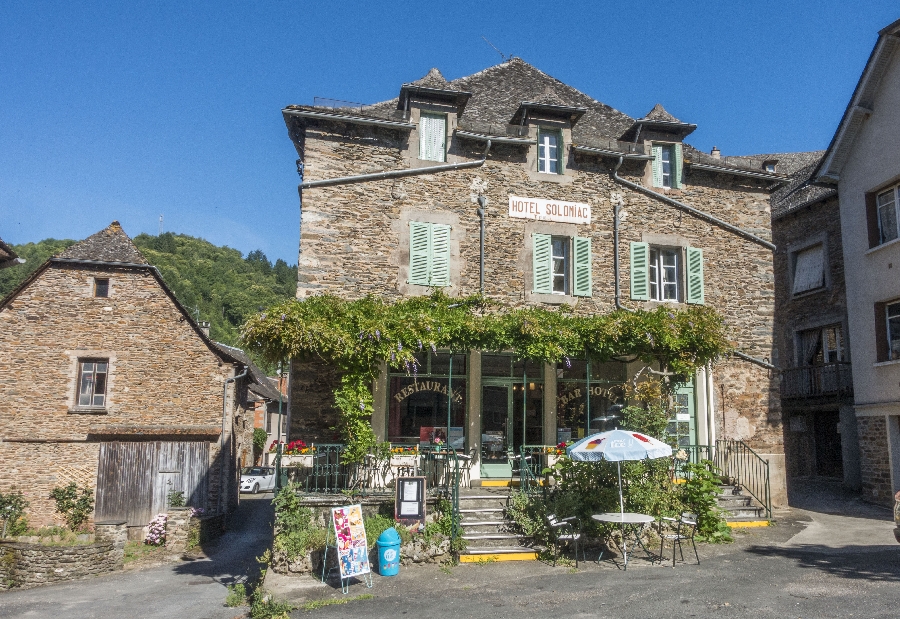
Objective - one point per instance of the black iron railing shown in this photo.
(830, 379)
(737, 463)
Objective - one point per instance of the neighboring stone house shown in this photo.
(8, 256)
(863, 162)
(694, 228)
(107, 381)
(811, 329)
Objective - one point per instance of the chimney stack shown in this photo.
(716, 153)
(204, 326)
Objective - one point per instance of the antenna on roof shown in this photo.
(502, 55)
(160, 226)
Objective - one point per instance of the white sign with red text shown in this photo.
(549, 210)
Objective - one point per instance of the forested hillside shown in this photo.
(214, 283)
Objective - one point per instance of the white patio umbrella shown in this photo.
(616, 446)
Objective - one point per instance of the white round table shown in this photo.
(629, 521)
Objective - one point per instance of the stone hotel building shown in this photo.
(577, 203)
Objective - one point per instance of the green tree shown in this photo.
(35, 254)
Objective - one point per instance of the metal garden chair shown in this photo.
(564, 531)
(682, 529)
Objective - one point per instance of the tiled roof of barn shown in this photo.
(109, 245)
(261, 385)
(800, 191)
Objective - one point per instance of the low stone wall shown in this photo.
(24, 565)
(185, 532)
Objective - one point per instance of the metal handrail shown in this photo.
(738, 463)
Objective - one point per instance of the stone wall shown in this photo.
(25, 565)
(185, 532)
(161, 375)
(875, 460)
(352, 235)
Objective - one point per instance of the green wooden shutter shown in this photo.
(440, 255)
(582, 267)
(657, 166)
(640, 271)
(419, 253)
(695, 275)
(542, 261)
(676, 166)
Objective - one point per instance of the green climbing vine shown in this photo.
(357, 336)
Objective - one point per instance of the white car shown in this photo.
(256, 478)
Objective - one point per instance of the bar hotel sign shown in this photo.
(549, 210)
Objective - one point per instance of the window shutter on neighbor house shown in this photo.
(419, 252)
(542, 263)
(583, 277)
(695, 293)
(677, 167)
(657, 166)
(440, 255)
(640, 270)
(809, 269)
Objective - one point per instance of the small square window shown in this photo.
(548, 152)
(92, 376)
(770, 167)
(101, 287)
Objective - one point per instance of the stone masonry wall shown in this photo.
(350, 238)
(875, 460)
(25, 565)
(161, 373)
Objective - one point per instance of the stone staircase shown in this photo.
(486, 530)
(738, 506)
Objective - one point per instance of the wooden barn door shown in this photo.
(134, 478)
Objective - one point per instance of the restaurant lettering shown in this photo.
(427, 385)
(549, 210)
(610, 393)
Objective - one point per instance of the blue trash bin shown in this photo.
(388, 544)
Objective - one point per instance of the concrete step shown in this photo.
(728, 502)
(495, 550)
(749, 512)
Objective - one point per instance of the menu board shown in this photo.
(350, 533)
(409, 507)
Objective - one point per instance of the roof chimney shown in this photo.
(204, 326)
(716, 153)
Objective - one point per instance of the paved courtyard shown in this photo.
(835, 558)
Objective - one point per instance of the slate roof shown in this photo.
(109, 245)
(261, 385)
(800, 191)
(433, 79)
(789, 163)
(659, 113)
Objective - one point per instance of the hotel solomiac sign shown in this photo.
(542, 197)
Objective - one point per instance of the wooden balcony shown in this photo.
(816, 381)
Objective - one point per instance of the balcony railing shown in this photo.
(831, 379)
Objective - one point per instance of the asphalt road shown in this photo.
(192, 589)
(834, 558)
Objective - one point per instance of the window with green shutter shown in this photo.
(667, 165)
(695, 293)
(432, 137)
(640, 267)
(582, 286)
(542, 263)
(429, 254)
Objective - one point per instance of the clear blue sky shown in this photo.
(129, 110)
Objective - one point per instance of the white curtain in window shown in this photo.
(809, 269)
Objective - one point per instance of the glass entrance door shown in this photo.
(510, 417)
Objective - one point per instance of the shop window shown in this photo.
(429, 254)
(561, 265)
(432, 137)
(589, 398)
(418, 404)
(667, 166)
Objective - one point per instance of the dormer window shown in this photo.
(667, 166)
(433, 137)
(549, 142)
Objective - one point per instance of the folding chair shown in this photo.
(683, 528)
(562, 530)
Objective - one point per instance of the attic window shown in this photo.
(101, 287)
(548, 152)
(770, 167)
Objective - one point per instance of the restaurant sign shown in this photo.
(549, 210)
